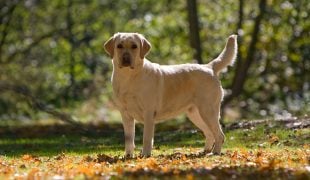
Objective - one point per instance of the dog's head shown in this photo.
(127, 49)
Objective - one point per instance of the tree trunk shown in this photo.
(194, 29)
(239, 60)
(71, 88)
(239, 31)
(241, 73)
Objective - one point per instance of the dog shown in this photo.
(150, 93)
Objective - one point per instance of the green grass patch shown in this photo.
(51, 140)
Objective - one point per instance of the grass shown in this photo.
(35, 149)
(57, 140)
(42, 144)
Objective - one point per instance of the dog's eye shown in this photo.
(134, 46)
(119, 46)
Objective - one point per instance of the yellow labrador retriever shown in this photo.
(149, 92)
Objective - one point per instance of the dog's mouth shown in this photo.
(126, 62)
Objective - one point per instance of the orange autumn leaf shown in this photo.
(119, 169)
(26, 157)
(190, 177)
(184, 157)
(234, 156)
(176, 171)
(165, 169)
(85, 170)
(151, 163)
(273, 163)
(33, 173)
(273, 139)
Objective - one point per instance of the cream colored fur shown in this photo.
(150, 93)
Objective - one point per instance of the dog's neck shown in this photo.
(125, 74)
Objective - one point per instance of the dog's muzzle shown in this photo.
(126, 60)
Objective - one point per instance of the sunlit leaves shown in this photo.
(179, 164)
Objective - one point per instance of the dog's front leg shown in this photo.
(129, 130)
(148, 134)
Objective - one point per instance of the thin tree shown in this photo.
(194, 29)
(243, 66)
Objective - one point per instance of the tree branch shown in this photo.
(6, 25)
(35, 42)
(38, 104)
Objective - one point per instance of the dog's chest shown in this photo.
(127, 101)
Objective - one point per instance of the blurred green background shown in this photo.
(52, 59)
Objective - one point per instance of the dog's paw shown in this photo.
(217, 153)
(209, 148)
(205, 153)
(129, 156)
(145, 155)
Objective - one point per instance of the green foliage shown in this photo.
(55, 48)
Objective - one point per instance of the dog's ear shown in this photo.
(109, 46)
(145, 46)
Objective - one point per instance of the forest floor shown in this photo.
(257, 149)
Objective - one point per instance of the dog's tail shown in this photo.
(227, 57)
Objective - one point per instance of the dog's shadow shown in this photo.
(52, 140)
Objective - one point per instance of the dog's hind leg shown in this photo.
(194, 116)
(211, 116)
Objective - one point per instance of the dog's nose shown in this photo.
(126, 59)
(126, 56)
